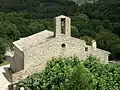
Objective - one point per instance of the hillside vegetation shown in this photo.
(99, 20)
(39, 8)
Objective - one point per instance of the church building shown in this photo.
(33, 52)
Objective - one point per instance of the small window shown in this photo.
(86, 48)
(63, 45)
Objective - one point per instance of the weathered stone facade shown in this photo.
(33, 52)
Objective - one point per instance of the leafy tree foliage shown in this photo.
(2, 50)
(35, 27)
(99, 20)
(40, 8)
(106, 77)
(74, 74)
(61, 74)
(104, 18)
(88, 39)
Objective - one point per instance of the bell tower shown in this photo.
(62, 26)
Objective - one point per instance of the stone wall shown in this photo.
(98, 53)
(17, 63)
(35, 58)
(53, 48)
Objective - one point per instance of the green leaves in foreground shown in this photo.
(61, 74)
(74, 74)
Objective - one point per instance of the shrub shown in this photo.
(106, 76)
(60, 74)
(73, 74)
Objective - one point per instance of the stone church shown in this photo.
(33, 52)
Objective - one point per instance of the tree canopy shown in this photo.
(99, 20)
(72, 73)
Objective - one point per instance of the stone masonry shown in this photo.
(33, 52)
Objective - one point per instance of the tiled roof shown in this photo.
(33, 40)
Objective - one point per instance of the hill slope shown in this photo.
(40, 8)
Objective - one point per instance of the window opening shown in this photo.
(63, 45)
(63, 25)
(86, 48)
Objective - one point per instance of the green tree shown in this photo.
(74, 31)
(116, 28)
(80, 79)
(106, 40)
(106, 76)
(12, 32)
(87, 39)
(107, 24)
(35, 27)
(60, 74)
(95, 25)
(2, 49)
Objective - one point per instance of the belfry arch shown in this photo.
(62, 26)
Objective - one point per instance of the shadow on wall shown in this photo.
(8, 74)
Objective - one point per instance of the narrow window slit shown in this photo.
(63, 25)
(86, 48)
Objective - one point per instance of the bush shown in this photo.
(60, 74)
(73, 74)
(106, 76)
(2, 49)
